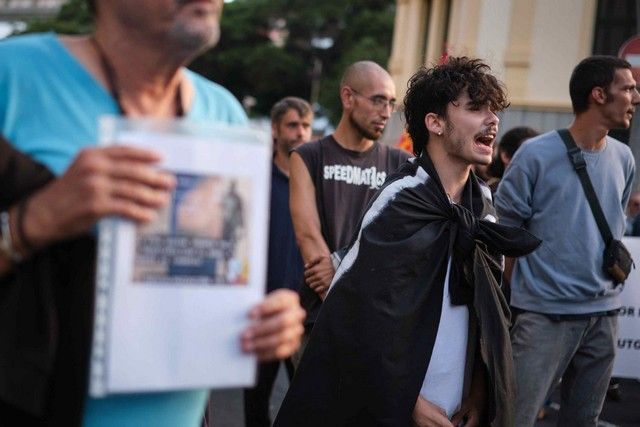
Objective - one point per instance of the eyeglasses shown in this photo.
(378, 101)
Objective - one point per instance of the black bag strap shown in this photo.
(579, 164)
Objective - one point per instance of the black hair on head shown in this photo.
(281, 107)
(430, 90)
(594, 71)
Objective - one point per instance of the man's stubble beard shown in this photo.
(361, 130)
(455, 146)
(614, 122)
(292, 144)
(288, 145)
(195, 40)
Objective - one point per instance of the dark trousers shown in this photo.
(11, 416)
(256, 400)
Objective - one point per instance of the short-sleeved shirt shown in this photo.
(345, 181)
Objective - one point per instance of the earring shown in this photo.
(440, 133)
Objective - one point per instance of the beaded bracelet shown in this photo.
(6, 242)
(22, 208)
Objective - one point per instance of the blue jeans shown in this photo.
(581, 352)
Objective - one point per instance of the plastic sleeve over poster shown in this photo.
(627, 361)
(173, 295)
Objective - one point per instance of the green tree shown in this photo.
(74, 17)
(249, 64)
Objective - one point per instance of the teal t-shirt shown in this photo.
(179, 408)
(49, 109)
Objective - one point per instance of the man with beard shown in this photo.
(414, 330)
(333, 179)
(53, 88)
(567, 321)
(291, 120)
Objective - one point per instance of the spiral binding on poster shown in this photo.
(104, 280)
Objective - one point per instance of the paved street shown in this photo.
(227, 406)
(625, 413)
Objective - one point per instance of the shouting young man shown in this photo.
(414, 329)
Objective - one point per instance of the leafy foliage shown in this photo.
(73, 18)
(248, 63)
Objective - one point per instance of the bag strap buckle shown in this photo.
(575, 154)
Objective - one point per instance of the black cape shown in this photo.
(365, 362)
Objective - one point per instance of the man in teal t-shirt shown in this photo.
(53, 90)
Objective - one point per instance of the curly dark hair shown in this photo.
(430, 90)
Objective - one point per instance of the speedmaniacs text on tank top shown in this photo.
(345, 181)
(355, 175)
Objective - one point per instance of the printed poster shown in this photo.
(173, 295)
(627, 362)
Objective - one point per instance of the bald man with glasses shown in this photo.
(333, 179)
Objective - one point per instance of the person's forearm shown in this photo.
(35, 223)
(305, 213)
(318, 265)
(508, 269)
(312, 246)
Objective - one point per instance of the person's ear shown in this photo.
(434, 123)
(599, 95)
(274, 131)
(346, 96)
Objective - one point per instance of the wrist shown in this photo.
(33, 225)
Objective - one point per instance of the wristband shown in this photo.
(22, 207)
(6, 242)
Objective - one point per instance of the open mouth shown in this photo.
(485, 139)
(484, 143)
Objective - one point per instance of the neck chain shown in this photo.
(109, 72)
